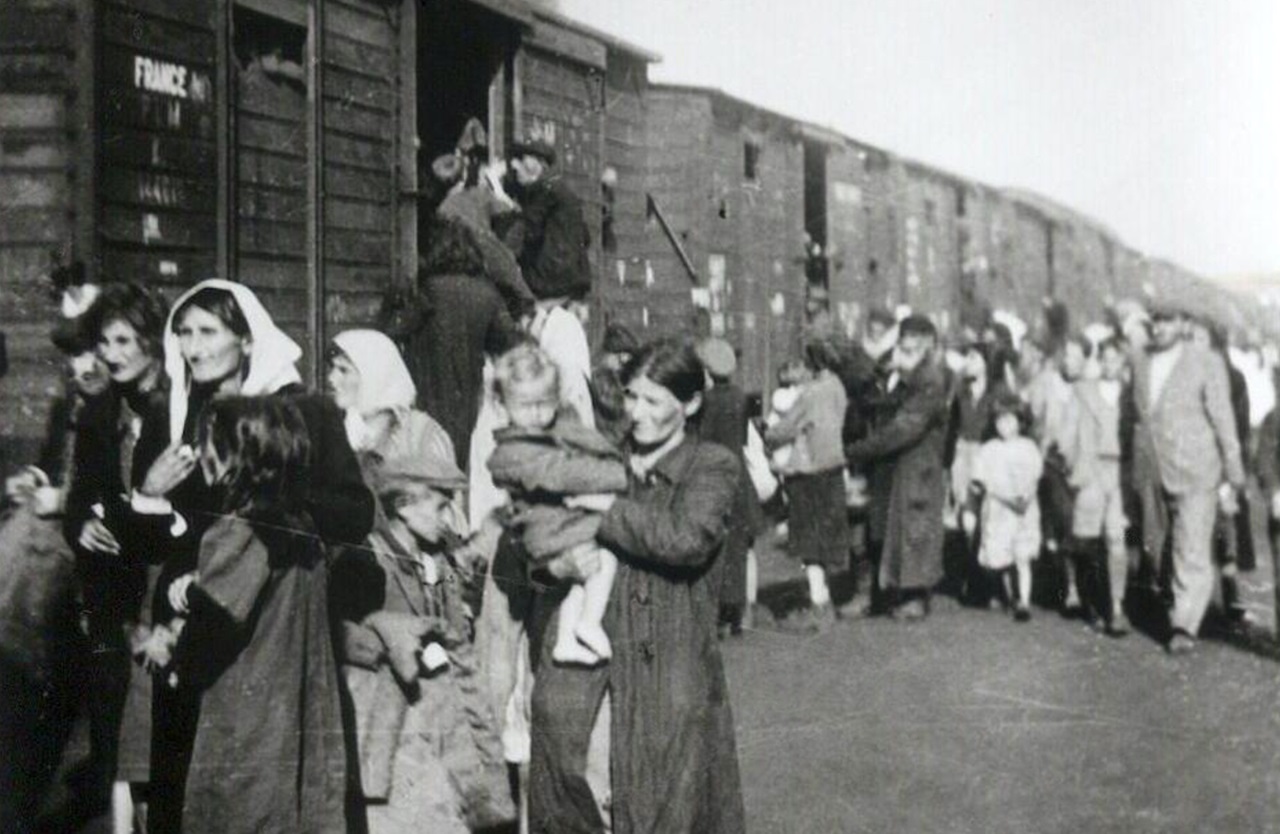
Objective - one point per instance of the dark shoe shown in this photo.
(1022, 614)
(1181, 643)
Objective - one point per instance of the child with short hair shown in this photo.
(1005, 478)
(544, 455)
(790, 376)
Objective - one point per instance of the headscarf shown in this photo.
(385, 383)
(271, 362)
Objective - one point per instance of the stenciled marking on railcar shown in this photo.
(157, 76)
(161, 190)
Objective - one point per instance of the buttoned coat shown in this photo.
(910, 443)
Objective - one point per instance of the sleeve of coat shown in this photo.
(1217, 404)
(916, 418)
(542, 467)
(684, 532)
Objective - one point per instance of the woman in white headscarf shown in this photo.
(220, 341)
(369, 381)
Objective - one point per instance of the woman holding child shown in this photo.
(674, 762)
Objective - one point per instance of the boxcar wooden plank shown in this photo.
(195, 13)
(285, 137)
(350, 309)
(31, 110)
(354, 56)
(349, 246)
(129, 186)
(33, 225)
(262, 168)
(354, 214)
(346, 277)
(288, 206)
(268, 98)
(158, 267)
(270, 237)
(35, 73)
(161, 229)
(23, 29)
(342, 181)
(36, 189)
(272, 273)
(366, 27)
(158, 151)
(147, 33)
(367, 154)
(353, 119)
(375, 93)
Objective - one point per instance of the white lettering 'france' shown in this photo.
(160, 77)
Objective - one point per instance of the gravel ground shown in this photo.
(968, 722)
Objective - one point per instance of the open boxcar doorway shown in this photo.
(465, 66)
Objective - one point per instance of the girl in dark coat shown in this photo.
(268, 753)
(674, 759)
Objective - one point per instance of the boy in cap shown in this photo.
(550, 238)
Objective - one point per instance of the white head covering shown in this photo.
(271, 362)
(385, 383)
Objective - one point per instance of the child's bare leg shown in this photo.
(1024, 583)
(598, 587)
(567, 648)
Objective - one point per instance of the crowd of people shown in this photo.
(481, 580)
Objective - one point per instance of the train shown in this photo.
(284, 142)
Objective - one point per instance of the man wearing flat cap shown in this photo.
(550, 238)
(1186, 460)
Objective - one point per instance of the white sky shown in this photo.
(1161, 118)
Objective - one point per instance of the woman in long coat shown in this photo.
(673, 757)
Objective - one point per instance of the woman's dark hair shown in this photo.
(671, 363)
(1009, 403)
(451, 249)
(264, 444)
(821, 355)
(136, 306)
(219, 303)
(995, 357)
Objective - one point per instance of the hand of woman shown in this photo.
(96, 538)
(600, 502)
(178, 592)
(170, 469)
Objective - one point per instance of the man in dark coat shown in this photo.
(550, 238)
(906, 520)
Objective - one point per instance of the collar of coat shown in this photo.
(671, 466)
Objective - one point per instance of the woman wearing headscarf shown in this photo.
(371, 384)
(220, 341)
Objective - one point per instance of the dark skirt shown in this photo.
(745, 524)
(818, 520)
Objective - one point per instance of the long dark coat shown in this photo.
(462, 318)
(724, 421)
(908, 450)
(674, 757)
(551, 239)
(269, 752)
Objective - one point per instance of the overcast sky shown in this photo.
(1161, 118)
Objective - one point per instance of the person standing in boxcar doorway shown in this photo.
(907, 514)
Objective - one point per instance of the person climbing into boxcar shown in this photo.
(724, 421)
(475, 196)
(220, 341)
(116, 565)
(268, 752)
(906, 509)
(818, 526)
(666, 670)
(42, 651)
(456, 319)
(550, 236)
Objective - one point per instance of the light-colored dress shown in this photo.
(1008, 470)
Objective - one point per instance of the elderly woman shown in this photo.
(674, 758)
(220, 341)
